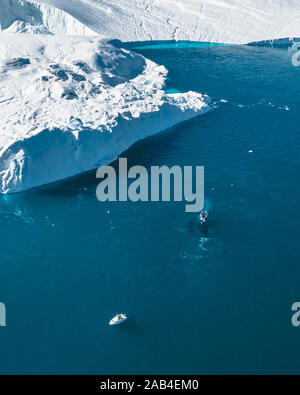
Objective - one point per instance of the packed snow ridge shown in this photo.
(220, 21)
(70, 104)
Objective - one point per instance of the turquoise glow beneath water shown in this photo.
(176, 45)
(199, 300)
(172, 90)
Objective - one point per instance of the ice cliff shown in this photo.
(223, 21)
(70, 100)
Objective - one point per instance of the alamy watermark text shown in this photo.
(165, 184)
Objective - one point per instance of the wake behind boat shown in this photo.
(118, 319)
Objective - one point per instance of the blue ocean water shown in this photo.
(155, 45)
(211, 300)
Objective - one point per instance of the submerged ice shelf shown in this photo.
(69, 104)
(219, 21)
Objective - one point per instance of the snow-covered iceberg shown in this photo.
(36, 17)
(69, 104)
(219, 21)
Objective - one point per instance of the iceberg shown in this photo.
(72, 99)
(69, 104)
(219, 21)
(36, 17)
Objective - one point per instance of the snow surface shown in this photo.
(19, 16)
(220, 21)
(69, 104)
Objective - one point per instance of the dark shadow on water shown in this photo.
(140, 153)
(166, 44)
(131, 326)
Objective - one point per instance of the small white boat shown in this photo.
(203, 217)
(118, 319)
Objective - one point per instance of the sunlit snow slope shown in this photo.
(224, 21)
(20, 16)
